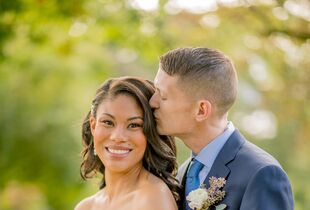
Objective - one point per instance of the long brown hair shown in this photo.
(160, 154)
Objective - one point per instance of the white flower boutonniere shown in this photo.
(202, 198)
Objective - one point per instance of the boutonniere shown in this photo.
(203, 198)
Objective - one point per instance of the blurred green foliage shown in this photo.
(54, 54)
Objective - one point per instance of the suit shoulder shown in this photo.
(257, 155)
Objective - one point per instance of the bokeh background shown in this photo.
(54, 54)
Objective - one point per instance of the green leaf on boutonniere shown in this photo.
(221, 207)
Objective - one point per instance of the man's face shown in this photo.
(173, 109)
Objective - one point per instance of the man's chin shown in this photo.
(160, 130)
(163, 132)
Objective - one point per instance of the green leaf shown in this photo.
(220, 207)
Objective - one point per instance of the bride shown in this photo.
(121, 143)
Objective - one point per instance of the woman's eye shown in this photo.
(135, 125)
(107, 122)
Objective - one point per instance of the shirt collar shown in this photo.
(208, 154)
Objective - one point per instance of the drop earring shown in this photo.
(95, 153)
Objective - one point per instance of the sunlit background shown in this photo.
(54, 54)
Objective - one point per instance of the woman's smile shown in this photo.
(119, 151)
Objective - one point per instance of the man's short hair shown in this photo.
(203, 72)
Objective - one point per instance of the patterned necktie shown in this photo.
(192, 178)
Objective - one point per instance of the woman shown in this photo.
(121, 142)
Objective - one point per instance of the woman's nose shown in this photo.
(119, 134)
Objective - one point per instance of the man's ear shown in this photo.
(204, 110)
(92, 122)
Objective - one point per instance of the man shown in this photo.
(195, 88)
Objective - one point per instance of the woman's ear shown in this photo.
(92, 122)
(204, 110)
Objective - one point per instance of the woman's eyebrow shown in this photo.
(134, 118)
(110, 115)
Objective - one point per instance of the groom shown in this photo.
(195, 88)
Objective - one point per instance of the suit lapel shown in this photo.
(225, 156)
(182, 171)
(181, 178)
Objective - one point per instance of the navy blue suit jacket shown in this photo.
(254, 179)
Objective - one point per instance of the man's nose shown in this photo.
(154, 101)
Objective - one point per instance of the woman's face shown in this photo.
(118, 133)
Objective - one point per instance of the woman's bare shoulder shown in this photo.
(155, 194)
(86, 203)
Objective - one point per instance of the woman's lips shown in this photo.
(118, 151)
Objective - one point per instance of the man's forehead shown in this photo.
(158, 77)
(161, 83)
(169, 85)
(163, 80)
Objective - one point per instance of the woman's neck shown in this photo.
(120, 183)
